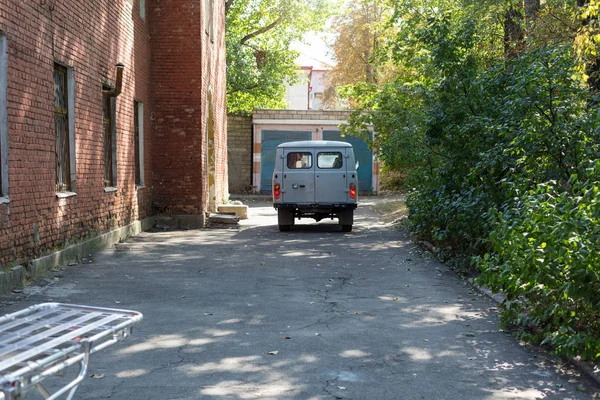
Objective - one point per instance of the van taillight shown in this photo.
(352, 191)
(276, 191)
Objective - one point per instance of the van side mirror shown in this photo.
(356, 165)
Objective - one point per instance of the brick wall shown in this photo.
(215, 80)
(90, 37)
(239, 150)
(189, 72)
(171, 64)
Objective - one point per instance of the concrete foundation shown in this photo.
(39, 267)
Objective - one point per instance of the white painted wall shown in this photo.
(317, 88)
(305, 96)
(296, 95)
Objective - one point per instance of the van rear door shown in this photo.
(298, 184)
(330, 175)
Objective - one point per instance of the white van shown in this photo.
(315, 179)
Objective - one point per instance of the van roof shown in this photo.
(315, 143)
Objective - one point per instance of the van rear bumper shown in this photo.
(318, 211)
(316, 207)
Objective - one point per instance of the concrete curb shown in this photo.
(589, 368)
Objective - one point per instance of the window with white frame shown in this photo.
(3, 120)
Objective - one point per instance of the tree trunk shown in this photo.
(513, 32)
(532, 7)
(371, 66)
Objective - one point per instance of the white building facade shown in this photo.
(307, 94)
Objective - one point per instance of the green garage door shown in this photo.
(269, 142)
(363, 155)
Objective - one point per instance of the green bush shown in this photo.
(391, 180)
(545, 260)
(454, 220)
(516, 197)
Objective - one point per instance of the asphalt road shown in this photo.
(253, 313)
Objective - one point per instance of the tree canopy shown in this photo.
(259, 34)
(357, 38)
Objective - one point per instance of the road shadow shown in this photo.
(307, 314)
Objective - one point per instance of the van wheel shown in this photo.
(346, 219)
(285, 219)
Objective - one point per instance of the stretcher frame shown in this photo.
(44, 340)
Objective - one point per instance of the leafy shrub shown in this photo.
(512, 192)
(545, 260)
(453, 220)
(391, 180)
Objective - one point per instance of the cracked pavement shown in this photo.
(360, 315)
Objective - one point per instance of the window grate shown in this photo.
(61, 123)
(136, 142)
(108, 140)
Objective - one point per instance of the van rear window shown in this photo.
(329, 160)
(299, 160)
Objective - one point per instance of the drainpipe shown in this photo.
(118, 83)
(309, 88)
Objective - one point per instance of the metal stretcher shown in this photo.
(46, 339)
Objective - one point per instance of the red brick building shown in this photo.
(84, 152)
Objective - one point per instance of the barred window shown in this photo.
(61, 124)
(138, 141)
(108, 111)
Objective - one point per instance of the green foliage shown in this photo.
(259, 34)
(500, 154)
(394, 116)
(391, 179)
(545, 259)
